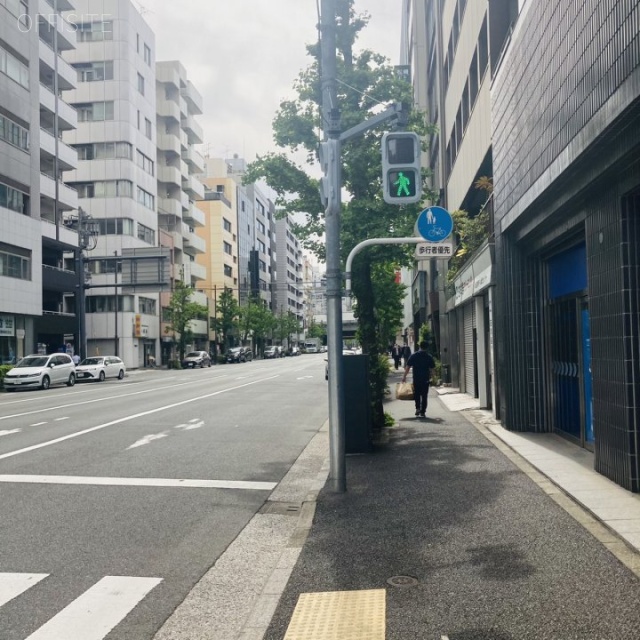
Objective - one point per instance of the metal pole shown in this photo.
(56, 126)
(331, 127)
(115, 333)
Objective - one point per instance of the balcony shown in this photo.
(193, 216)
(199, 327)
(193, 98)
(193, 129)
(67, 197)
(192, 244)
(63, 234)
(169, 175)
(59, 280)
(169, 207)
(68, 157)
(194, 188)
(167, 75)
(67, 115)
(198, 272)
(194, 160)
(169, 109)
(199, 296)
(169, 142)
(67, 75)
(184, 110)
(48, 20)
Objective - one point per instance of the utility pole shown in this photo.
(331, 148)
(115, 334)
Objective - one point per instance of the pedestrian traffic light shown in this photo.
(401, 178)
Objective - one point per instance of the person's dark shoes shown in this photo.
(422, 414)
(417, 413)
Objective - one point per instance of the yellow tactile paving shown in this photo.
(339, 615)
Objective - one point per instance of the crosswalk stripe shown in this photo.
(13, 584)
(92, 615)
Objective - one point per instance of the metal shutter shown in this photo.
(469, 364)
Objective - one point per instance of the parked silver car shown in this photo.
(41, 371)
(100, 367)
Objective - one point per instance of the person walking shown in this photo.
(406, 353)
(76, 359)
(423, 367)
(395, 354)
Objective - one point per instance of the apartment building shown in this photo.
(115, 100)
(37, 284)
(179, 188)
(453, 48)
(220, 235)
(289, 283)
(566, 147)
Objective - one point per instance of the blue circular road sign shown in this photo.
(435, 224)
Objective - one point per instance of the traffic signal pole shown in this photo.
(331, 129)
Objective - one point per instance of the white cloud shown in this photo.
(244, 55)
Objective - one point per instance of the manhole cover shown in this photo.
(402, 581)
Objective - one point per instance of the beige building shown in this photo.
(219, 234)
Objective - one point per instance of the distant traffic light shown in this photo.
(401, 178)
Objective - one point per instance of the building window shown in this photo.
(260, 208)
(14, 68)
(137, 43)
(263, 266)
(105, 189)
(146, 234)
(138, 119)
(146, 199)
(94, 111)
(94, 71)
(94, 31)
(228, 249)
(104, 150)
(261, 227)
(226, 224)
(262, 247)
(107, 304)
(228, 271)
(13, 199)
(147, 306)
(115, 226)
(15, 262)
(145, 163)
(147, 128)
(140, 84)
(147, 54)
(14, 133)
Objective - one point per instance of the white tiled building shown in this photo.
(115, 100)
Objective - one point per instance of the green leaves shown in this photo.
(180, 312)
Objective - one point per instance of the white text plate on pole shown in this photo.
(426, 250)
(435, 224)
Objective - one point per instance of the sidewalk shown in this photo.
(459, 529)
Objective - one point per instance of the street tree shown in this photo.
(180, 313)
(256, 320)
(365, 80)
(317, 330)
(225, 321)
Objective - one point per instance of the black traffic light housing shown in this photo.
(401, 177)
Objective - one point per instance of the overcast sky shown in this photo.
(244, 55)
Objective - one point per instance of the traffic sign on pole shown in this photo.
(427, 250)
(435, 224)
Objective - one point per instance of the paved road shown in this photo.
(117, 497)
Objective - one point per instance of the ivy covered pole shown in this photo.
(332, 185)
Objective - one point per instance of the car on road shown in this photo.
(294, 351)
(195, 359)
(239, 354)
(100, 368)
(345, 352)
(41, 371)
(273, 351)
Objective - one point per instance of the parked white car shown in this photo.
(100, 368)
(41, 371)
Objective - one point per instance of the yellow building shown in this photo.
(220, 234)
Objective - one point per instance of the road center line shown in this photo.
(10, 454)
(140, 482)
(109, 398)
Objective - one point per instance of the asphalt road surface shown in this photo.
(117, 497)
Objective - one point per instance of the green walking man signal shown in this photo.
(401, 178)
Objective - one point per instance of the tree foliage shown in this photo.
(225, 320)
(180, 312)
(365, 81)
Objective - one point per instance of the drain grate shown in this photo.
(402, 581)
(281, 508)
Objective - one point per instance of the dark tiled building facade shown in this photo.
(566, 149)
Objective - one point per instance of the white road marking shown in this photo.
(13, 584)
(8, 432)
(193, 424)
(108, 398)
(98, 610)
(140, 482)
(61, 419)
(304, 377)
(445, 638)
(147, 439)
(48, 443)
(37, 424)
